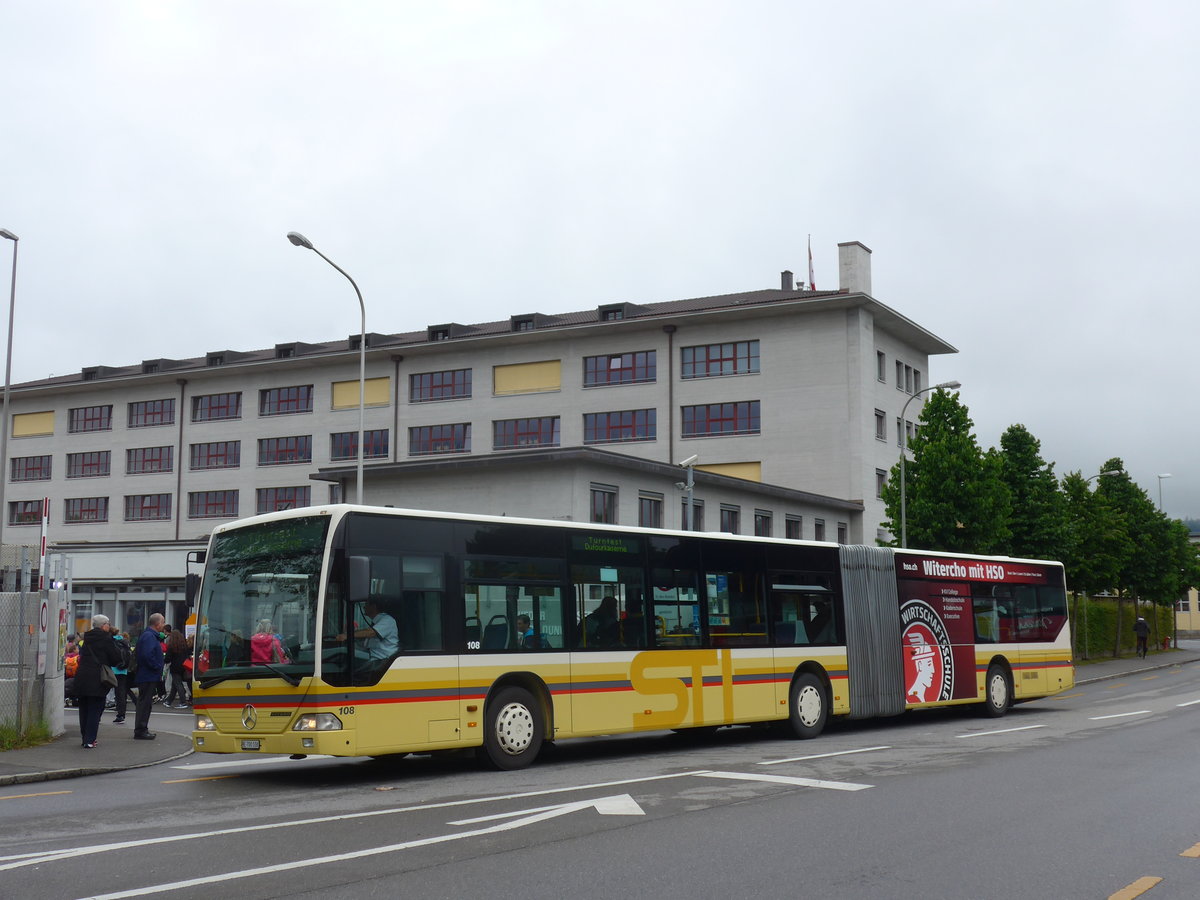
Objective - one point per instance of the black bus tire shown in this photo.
(808, 708)
(997, 692)
(513, 729)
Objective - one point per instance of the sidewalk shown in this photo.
(117, 750)
(65, 757)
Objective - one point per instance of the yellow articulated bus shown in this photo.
(350, 630)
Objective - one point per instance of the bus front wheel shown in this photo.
(808, 710)
(997, 695)
(513, 730)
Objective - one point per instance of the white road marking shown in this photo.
(787, 779)
(1189, 703)
(999, 731)
(528, 817)
(1137, 712)
(776, 762)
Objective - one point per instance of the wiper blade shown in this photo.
(256, 672)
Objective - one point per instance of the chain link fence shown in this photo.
(33, 626)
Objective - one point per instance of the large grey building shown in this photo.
(789, 399)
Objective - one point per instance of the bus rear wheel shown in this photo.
(997, 695)
(513, 729)
(808, 709)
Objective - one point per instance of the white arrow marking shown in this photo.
(620, 805)
(528, 817)
(1000, 731)
(776, 762)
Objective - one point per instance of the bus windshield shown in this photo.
(257, 613)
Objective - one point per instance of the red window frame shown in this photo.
(285, 401)
(147, 507)
(429, 439)
(215, 455)
(146, 460)
(285, 451)
(217, 407)
(212, 504)
(145, 413)
(511, 434)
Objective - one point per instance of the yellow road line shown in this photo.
(26, 796)
(1113, 687)
(205, 778)
(1136, 889)
(1192, 852)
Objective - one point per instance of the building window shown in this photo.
(344, 445)
(762, 523)
(272, 499)
(31, 468)
(89, 465)
(453, 384)
(843, 533)
(880, 425)
(621, 368)
(612, 315)
(89, 418)
(215, 407)
(880, 482)
(697, 519)
(430, 439)
(144, 460)
(880, 366)
(792, 527)
(509, 434)
(731, 518)
(614, 427)
(650, 510)
(216, 455)
(818, 529)
(721, 418)
(713, 360)
(439, 334)
(899, 432)
(916, 381)
(151, 412)
(212, 504)
(147, 507)
(284, 451)
(79, 510)
(25, 512)
(604, 504)
(286, 401)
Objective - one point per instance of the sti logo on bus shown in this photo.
(928, 663)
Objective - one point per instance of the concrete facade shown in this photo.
(831, 371)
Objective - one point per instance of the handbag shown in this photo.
(108, 677)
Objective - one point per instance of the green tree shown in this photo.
(954, 497)
(1095, 542)
(1036, 523)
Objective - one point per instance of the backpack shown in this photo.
(71, 665)
(126, 656)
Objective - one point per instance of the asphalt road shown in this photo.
(1083, 795)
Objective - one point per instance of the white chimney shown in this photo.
(854, 267)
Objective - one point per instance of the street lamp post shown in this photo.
(688, 487)
(301, 241)
(12, 308)
(1160, 481)
(1086, 482)
(948, 385)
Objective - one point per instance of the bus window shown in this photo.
(676, 608)
(802, 609)
(609, 607)
(497, 592)
(734, 608)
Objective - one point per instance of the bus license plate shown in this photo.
(251, 745)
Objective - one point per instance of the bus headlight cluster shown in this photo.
(204, 723)
(318, 722)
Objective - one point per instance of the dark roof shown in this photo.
(605, 315)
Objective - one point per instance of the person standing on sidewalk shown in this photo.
(122, 673)
(149, 654)
(98, 650)
(176, 655)
(1142, 629)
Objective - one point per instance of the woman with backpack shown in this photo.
(99, 649)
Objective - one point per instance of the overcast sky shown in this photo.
(1025, 174)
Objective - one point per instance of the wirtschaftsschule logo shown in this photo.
(928, 663)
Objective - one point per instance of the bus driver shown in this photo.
(380, 637)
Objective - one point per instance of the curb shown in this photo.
(83, 771)
(1165, 664)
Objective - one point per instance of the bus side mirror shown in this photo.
(191, 588)
(359, 578)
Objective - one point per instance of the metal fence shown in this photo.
(32, 634)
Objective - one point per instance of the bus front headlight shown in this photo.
(318, 722)
(204, 723)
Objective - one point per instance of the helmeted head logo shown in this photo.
(928, 663)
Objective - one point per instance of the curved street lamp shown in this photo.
(1160, 480)
(948, 385)
(301, 241)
